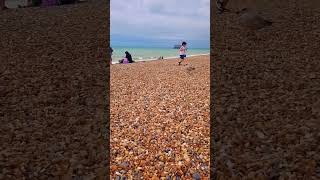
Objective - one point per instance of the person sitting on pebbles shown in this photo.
(129, 57)
(110, 53)
(126, 59)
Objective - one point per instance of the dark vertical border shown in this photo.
(212, 117)
(54, 92)
(213, 89)
(264, 103)
(104, 111)
(106, 124)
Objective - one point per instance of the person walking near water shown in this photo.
(182, 51)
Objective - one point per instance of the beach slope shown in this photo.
(160, 118)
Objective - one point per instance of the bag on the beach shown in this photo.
(125, 61)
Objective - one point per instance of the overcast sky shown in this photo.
(160, 23)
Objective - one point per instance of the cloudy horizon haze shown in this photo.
(158, 23)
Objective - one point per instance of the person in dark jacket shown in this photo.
(110, 53)
(129, 57)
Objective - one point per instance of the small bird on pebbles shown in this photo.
(251, 20)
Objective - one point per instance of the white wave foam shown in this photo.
(141, 59)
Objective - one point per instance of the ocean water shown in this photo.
(147, 54)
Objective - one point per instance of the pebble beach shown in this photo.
(266, 92)
(52, 92)
(160, 119)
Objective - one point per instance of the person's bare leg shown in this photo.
(181, 61)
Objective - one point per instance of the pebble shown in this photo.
(196, 176)
(124, 165)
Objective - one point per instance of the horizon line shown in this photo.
(129, 46)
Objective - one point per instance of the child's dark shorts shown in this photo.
(183, 56)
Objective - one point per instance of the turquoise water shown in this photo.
(153, 53)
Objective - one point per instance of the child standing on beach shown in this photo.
(182, 52)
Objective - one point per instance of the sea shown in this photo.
(149, 54)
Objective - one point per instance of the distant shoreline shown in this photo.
(165, 58)
(152, 53)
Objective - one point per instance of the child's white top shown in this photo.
(183, 50)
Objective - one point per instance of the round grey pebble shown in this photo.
(124, 164)
(196, 176)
